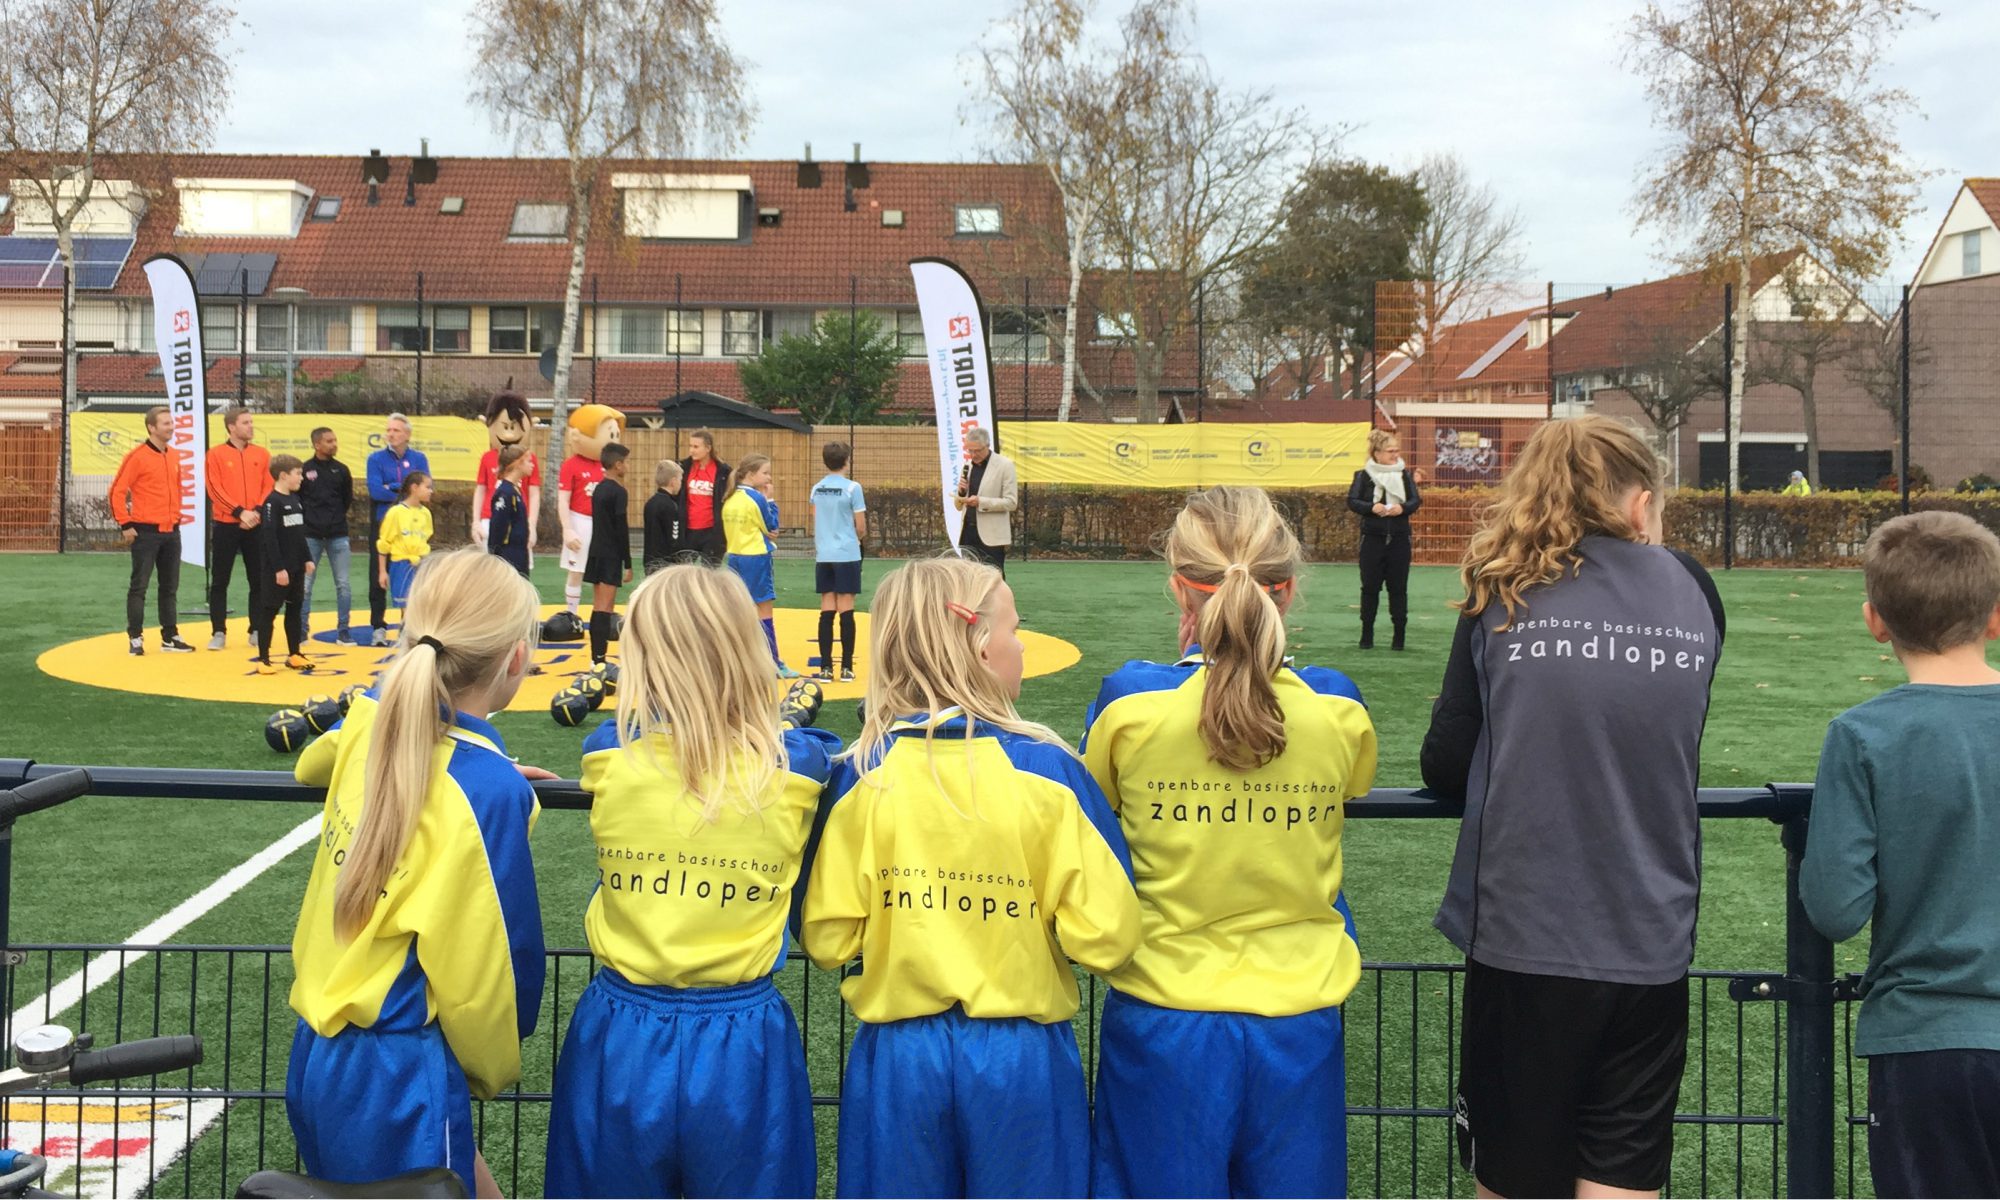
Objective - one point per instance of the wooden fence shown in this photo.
(30, 463)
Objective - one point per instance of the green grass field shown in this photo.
(100, 869)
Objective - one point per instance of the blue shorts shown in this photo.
(838, 578)
(951, 1105)
(400, 575)
(681, 1092)
(1218, 1104)
(366, 1105)
(755, 571)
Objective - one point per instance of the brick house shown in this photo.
(1955, 340)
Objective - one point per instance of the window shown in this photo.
(634, 331)
(1968, 252)
(684, 331)
(910, 333)
(976, 220)
(791, 322)
(272, 323)
(452, 206)
(1116, 327)
(397, 327)
(324, 327)
(451, 329)
(326, 208)
(218, 328)
(548, 330)
(741, 331)
(506, 330)
(539, 223)
(1016, 334)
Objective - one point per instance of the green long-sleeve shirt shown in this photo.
(1906, 833)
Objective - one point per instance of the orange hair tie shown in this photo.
(962, 612)
(1212, 588)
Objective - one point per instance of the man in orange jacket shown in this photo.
(239, 477)
(146, 497)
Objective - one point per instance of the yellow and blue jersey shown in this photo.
(406, 533)
(681, 902)
(1238, 872)
(956, 895)
(456, 936)
(748, 520)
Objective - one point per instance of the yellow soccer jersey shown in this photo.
(680, 902)
(456, 936)
(971, 895)
(1237, 872)
(406, 533)
(747, 519)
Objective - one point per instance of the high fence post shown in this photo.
(62, 432)
(1903, 417)
(1728, 443)
(423, 339)
(1809, 1119)
(593, 340)
(242, 336)
(1201, 351)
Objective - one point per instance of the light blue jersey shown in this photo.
(835, 501)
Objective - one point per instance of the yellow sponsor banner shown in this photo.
(98, 441)
(1276, 455)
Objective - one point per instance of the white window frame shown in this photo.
(968, 220)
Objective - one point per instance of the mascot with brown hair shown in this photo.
(508, 423)
(592, 427)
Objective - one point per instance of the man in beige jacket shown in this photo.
(989, 493)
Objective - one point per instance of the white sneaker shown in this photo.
(138, 646)
(218, 641)
(381, 637)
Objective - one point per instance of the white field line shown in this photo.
(106, 967)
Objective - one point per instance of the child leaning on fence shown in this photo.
(418, 952)
(966, 851)
(1220, 1070)
(1905, 835)
(1569, 722)
(701, 805)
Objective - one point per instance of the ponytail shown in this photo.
(468, 614)
(1231, 545)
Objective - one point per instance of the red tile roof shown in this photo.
(1987, 192)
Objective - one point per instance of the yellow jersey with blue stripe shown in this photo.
(406, 533)
(681, 902)
(964, 894)
(456, 936)
(748, 518)
(1237, 871)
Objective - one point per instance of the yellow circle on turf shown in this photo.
(231, 674)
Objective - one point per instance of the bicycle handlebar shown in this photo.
(152, 1056)
(49, 791)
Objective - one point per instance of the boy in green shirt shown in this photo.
(1906, 834)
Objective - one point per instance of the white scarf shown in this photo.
(1388, 481)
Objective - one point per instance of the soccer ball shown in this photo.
(322, 713)
(606, 674)
(593, 688)
(570, 707)
(801, 704)
(286, 730)
(349, 694)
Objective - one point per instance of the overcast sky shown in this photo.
(1531, 92)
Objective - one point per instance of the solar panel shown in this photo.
(36, 262)
(229, 274)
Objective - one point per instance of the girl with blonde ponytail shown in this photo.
(1230, 770)
(418, 953)
(1569, 724)
(701, 806)
(963, 899)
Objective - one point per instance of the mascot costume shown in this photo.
(592, 427)
(508, 423)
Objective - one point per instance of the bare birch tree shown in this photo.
(1779, 137)
(1466, 256)
(83, 82)
(596, 80)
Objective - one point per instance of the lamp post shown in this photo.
(292, 296)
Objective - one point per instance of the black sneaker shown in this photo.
(138, 647)
(174, 645)
(343, 638)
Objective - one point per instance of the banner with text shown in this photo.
(177, 332)
(961, 373)
(98, 440)
(1276, 455)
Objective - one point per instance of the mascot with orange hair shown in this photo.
(592, 427)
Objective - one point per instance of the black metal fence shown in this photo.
(1764, 1096)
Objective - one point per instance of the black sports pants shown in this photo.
(151, 551)
(378, 596)
(225, 542)
(1934, 1123)
(1385, 561)
(291, 598)
(707, 543)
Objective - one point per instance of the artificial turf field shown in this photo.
(101, 869)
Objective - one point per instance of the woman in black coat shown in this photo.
(1384, 495)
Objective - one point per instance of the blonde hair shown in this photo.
(926, 656)
(744, 470)
(1569, 482)
(1230, 544)
(697, 671)
(1377, 439)
(479, 611)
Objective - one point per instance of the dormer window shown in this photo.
(243, 207)
(113, 210)
(700, 208)
(976, 220)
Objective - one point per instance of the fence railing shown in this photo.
(1761, 1100)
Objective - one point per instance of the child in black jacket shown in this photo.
(283, 533)
(665, 539)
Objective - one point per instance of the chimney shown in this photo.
(374, 173)
(857, 175)
(808, 169)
